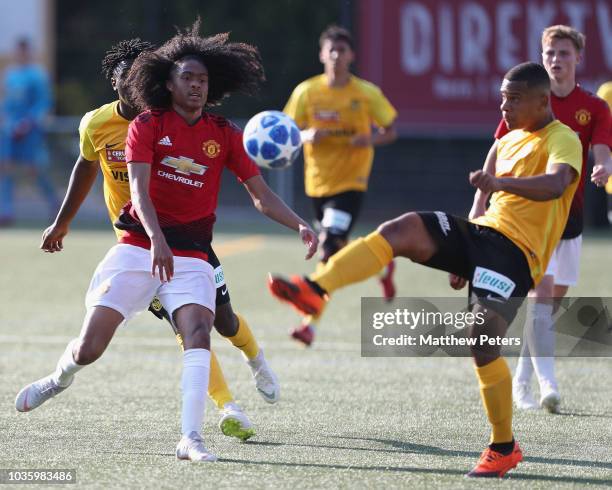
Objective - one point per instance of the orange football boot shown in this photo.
(495, 465)
(297, 292)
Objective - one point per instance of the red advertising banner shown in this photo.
(441, 62)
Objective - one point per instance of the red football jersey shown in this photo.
(589, 116)
(186, 167)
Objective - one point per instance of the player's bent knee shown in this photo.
(408, 237)
(194, 322)
(482, 357)
(483, 354)
(494, 326)
(226, 322)
(87, 353)
(396, 229)
(198, 336)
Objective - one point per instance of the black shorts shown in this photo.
(337, 214)
(497, 269)
(223, 296)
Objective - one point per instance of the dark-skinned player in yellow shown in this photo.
(503, 253)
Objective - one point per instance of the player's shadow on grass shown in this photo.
(422, 449)
(412, 448)
(584, 413)
(437, 451)
(412, 469)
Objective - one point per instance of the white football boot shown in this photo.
(266, 382)
(235, 423)
(38, 392)
(522, 396)
(192, 448)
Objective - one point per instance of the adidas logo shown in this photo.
(165, 141)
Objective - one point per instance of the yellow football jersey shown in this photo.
(333, 165)
(534, 226)
(103, 132)
(605, 92)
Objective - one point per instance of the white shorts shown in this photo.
(123, 282)
(565, 261)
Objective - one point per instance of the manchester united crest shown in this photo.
(583, 117)
(211, 148)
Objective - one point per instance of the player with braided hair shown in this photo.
(103, 133)
(123, 54)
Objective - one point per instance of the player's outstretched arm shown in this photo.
(268, 203)
(162, 260)
(479, 206)
(602, 167)
(81, 180)
(544, 187)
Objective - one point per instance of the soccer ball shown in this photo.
(272, 139)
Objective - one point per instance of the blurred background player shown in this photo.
(605, 92)
(27, 100)
(588, 116)
(336, 112)
(503, 252)
(103, 132)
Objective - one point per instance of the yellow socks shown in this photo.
(244, 339)
(218, 391)
(495, 383)
(359, 260)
